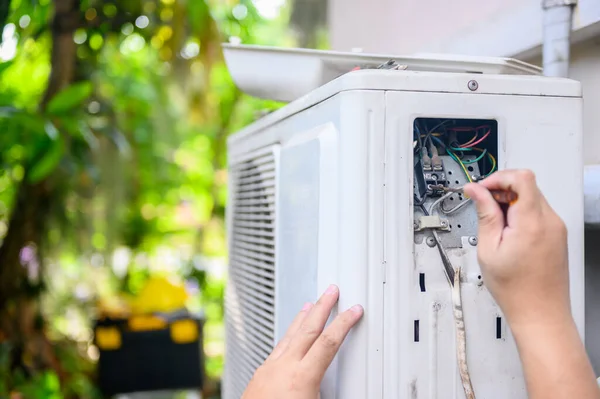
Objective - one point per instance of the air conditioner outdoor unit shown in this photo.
(335, 188)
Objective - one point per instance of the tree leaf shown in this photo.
(198, 13)
(48, 162)
(5, 65)
(70, 98)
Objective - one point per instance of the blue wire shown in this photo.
(439, 141)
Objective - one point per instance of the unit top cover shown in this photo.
(287, 74)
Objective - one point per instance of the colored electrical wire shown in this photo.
(440, 142)
(478, 141)
(479, 158)
(463, 129)
(429, 133)
(470, 142)
(418, 135)
(466, 147)
(462, 165)
(494, 164)
(469, 129)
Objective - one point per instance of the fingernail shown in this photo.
(307, 306)
(332, 289)
(357, 309)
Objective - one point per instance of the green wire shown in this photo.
(468, 162)
(462, 165)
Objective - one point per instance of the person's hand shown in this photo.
(523, 254)
(296, 367)
(524, 262)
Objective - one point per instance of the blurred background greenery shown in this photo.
(114, 117)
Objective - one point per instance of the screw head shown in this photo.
(415, 225)
(473, 241)
(430, 241)
(473, 85)
(444, 223)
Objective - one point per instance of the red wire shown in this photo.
(478, 141)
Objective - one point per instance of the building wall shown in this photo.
(406, 26)
(585, 67)
(474, 27)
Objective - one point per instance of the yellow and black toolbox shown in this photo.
(153, 352)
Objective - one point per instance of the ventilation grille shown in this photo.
(250, 295)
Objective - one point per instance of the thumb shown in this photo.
(491, 217)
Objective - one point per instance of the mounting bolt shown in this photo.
(444, 223)
(473, 241)
(431, 241)
(473, 85)
(415, 225)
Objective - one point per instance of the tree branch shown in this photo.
(28, 222)
(64, 50)
(4, 11)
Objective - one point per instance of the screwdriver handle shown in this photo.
(504, 196)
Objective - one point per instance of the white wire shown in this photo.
(439, 201)
(456, 208)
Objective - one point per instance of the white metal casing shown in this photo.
(344, 215)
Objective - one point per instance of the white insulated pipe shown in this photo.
(558, 22)
(558, 17)
(591, 195)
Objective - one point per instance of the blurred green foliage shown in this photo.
(125, 165)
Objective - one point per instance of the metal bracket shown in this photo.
(392, 65)
(432, 222)
(558, 3)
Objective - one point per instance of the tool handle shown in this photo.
(505, 196)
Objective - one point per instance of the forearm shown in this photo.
(554, 361)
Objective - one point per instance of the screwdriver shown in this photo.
(505, 197)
